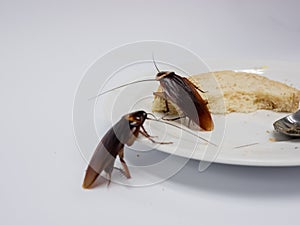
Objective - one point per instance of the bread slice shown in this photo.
(229, 91)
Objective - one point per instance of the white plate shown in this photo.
(242, 139)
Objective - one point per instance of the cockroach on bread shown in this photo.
(183, 93)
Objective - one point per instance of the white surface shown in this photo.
(45, 49)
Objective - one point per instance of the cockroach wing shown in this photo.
(107, 150)
(101, 160)
(204, 116)
(183, 93)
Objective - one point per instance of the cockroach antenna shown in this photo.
(155, 63)
(124, 85)
(173, 125)
(151, 114)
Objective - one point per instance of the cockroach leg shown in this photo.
(122, 171)
(147, 136)
(200, 89)
(167, 107)
(173, 119)
(146, 133)
(153, 141)
(125, 170)
(189, 124)
(124, 165)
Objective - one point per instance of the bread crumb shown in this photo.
(272, 139)
(247, 145)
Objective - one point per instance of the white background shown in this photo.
(46, 46)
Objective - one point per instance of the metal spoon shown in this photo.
(289, 125)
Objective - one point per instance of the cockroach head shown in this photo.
(163, 74)
(137, 118)
(160, 74)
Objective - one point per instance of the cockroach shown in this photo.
(183, 93)
(112, 144)
(124, 132)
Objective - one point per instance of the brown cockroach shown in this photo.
(183, 93)
(112, 144)
(124, 132)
